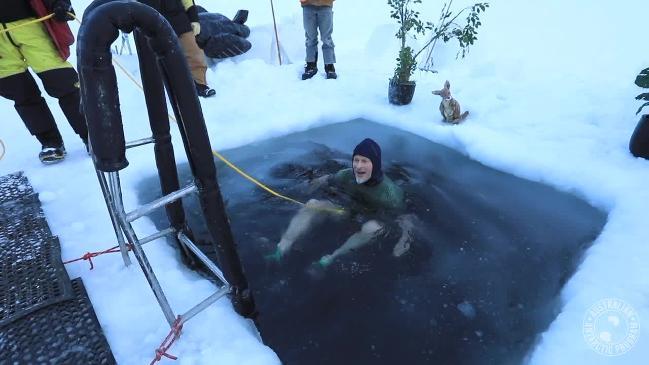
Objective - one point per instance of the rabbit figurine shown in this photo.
(449, 107)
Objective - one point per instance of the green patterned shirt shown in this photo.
(386, 195)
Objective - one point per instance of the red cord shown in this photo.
(173, 335)
(89, 255)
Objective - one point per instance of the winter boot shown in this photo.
(204, 91)
(331, 71)
(52, 155)
(310, 70)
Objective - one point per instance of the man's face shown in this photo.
(362, 169)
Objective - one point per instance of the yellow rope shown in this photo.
(6, 30)
(221, 157)
(232, 166)
(2, 144)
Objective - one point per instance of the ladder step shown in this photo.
(158, 203)
(157, 235)
(139, 142)
(205, 303)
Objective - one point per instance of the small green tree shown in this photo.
(408, 20)
(446, 29)
(642, 80)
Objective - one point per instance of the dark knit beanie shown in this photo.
(371, 150)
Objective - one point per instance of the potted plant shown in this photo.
(402, 88)
(639, 144)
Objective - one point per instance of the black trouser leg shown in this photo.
(31, 107)
(63, 84)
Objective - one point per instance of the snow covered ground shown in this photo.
(550, 89)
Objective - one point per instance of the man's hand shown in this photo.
(315, 184)
(61, 10)
(192, 14)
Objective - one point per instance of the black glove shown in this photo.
(192, 14)
(61, 8)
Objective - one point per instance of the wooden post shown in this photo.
(279, 54)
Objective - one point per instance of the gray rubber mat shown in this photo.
(62, 333)
(14, 187)
(31, 272)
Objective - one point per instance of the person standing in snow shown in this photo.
(318, 14)
(183, 17)
(24, 46)
(366, 184)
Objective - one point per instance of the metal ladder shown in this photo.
(124, 232)
(164, 73)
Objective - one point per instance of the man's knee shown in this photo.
(315, 203)
(60, 82)
(371, 227)
(327, 43)
(311, 41)
(21, 88)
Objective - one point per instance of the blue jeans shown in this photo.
(319, 17)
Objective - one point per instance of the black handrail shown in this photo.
(161, 62)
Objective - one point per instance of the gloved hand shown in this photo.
(61, 8)
(196, 28)
(192, 14)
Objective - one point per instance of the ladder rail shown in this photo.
(201, 256)
(108, 198)
(114, 184)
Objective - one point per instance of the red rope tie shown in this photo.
(89, 255)
(173, 335)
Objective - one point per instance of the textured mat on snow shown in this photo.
(14, 187)
(62, 333)
(31, 272)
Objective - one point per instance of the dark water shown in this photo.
(481, 282)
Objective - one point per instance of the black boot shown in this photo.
(52, 150)
(331, 71)
(51, 155)
(204, 91)
(310, 70)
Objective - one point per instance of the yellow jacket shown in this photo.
(188, 3)
(317, 2)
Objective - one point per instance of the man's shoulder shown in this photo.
(391, 193)
(343, 175)
(389, 183)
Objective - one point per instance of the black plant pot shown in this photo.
(401, 93)
(639, 144)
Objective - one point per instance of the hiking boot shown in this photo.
(204, 91)
(309, 70)
(331, 71)
(51, 155)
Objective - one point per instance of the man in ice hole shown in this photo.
(366, 184)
